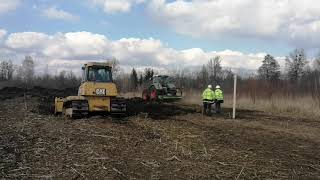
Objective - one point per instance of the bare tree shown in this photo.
(296, 62)
(214, 69)
(180, 77)
(46, 75)
(203, 76)
(19, 73)
(6, 70)
(316, 62)
(28, 70)
(115, 66)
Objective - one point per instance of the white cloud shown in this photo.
(54, 13)
(74, 48)
(27, 40)
(115, 6)
(8, 5)
(294, 21)
(3, 32)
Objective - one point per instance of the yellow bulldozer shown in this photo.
(97, 93)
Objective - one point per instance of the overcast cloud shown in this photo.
(74, 48)
(294, 21)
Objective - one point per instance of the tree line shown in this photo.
(299, 76)
(24, 76)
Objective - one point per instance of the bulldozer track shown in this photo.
(76, 109)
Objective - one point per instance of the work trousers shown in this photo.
(207, 107)
(218, 106)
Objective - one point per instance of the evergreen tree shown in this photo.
(134, 79)
(148, 74)
(140, 80)
(270, 69)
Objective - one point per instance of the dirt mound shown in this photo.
(13, 92)
(45, 96)
(156, 110)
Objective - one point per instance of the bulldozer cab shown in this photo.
(97, 80)
(97, 72)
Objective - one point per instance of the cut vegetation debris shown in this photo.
(157, 141)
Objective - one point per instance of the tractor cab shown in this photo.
(166, 83)
(161, 88)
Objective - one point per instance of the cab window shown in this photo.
(99, 74)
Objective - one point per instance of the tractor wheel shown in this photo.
(153, 95)
(145, 95)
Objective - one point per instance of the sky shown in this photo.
(164, 34)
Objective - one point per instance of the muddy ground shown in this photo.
(156, 141)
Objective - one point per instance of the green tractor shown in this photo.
(161, 88)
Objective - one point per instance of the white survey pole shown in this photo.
(234, 97)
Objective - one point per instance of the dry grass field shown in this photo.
(156, 141)
(304, 106)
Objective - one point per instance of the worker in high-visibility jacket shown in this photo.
(218, 93)
(208, 99)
